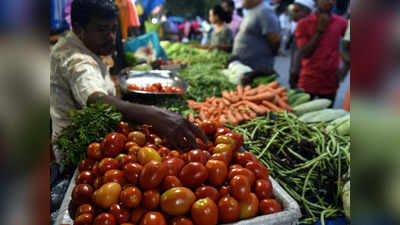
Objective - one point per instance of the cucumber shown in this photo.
(290, 93)
(299, 99)
(312, 106)
(341, 125)
(325, 115)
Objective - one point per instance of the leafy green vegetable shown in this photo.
(130, 59)
(264, 80)
(88, 125)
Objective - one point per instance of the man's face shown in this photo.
(299, 12)
(325, 5)
(226, 7)
(249, 4)
(99, 35)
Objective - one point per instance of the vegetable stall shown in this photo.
(270, 150)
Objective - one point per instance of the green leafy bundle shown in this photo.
(88, 125)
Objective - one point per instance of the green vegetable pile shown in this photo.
(89, 125)
(306, 161)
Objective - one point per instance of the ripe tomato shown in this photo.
(132, 172)
(243, 158)
(223, 139)
(107, 195)
(193, 174)
(174, 153)
(222, 131)
(127, 224)
(137, 214)
(259, 170)
(180, 220)
(207, 191)
(263, 189)
(134, 150)
(222, 148)
(209, 128)
(248, 207)
(84, 219)
(197, 155)
(126, 159)
(153, 146)
(234, 166)
(131, 197)
(207, 155)
(223, 156)
(184, 157)
(120, 214)
(147, 154)
(151, 199)
(116, 176)
(177, 201)
(123, 127)
(170, 182)
(153, 218)
(85, 208)
(228, 210)
(237, 137)
(94, 151)
(163, 151)
(243, 171)
(225, 190)
(174, 166)
(95, 169)
(105, 219)
(240, 187)
(98, 182)
(108, 164)
(217, 172)
(113, 144)
(82, 194)
(85, 177)
(86, 164)
(129, 145)
(204, 212)
(137, 137)
(152, 175)
(202, 145)
(269, 206)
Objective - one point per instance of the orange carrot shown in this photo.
(283, 104)
(264, 96)
(237, 115)
(273, 85)
(191, 117)
(227, 96)
(281, 91)
(240, 91)
(251, 92)
(230, 117)
(244, 115)
(237, 104)
(247, 88)
(251, 114)
(271, 106)
(257, 108)
(285, 99)
(202, 115)
(223, 119)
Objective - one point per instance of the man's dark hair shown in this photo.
(220, 12)
(84, 10)
(230, 3)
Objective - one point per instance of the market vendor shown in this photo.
(79, 77)
(258, 40)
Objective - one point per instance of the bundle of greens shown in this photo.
(305, 159)
(89, 125)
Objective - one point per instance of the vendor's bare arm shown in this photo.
(308, 50)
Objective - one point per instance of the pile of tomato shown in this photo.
(156, 88)
(170, 62)
(133, 177)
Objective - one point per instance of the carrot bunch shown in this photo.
(241, 105)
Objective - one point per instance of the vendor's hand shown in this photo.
(247, 78)
(323, 22)
(180, 132)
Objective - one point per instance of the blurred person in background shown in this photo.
(80, 78)
(234, 25)
(318, 37)
(300, 10)
(258, 40)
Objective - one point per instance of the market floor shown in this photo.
(282, 64)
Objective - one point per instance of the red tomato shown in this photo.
(263, 189)
(228, 210)
(207, 155)
(217, 172)
(179, 90)
(207, 191)
(85, 177)
(105, 219)
(193, 174)
(153, 146)
(234, 166)
(134, 150)
(98, 182)
(151, 199)
(269, 206)
(243, 158)
(237, 137)
(137, 214)
(223, 156)
(124, 127)
(171, 182)
(127, 224)
(95, 169)
(127, 159)
(94, 151)
(259, 170)
(209, 128)
(225, 190)
(129, 145)
(86, 164)
(222, 148)
(242, 171)
(204, 212)
(174, 166)
(85, 208)
(163, 151)
(132, 172)
(131, 197)
(222, 131)
(108, 164)
(180, 220)
(82, 194)
(146, 154)
(240, 187)
(184, 157)
(84, 219)
(197, 155)
(177, 201)
(137, 137)
(116, 176)
(120, 214)
(174, 153)
(152, 175)
(153, 218)
(248, 207)
(113, 144)
(202, 145)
